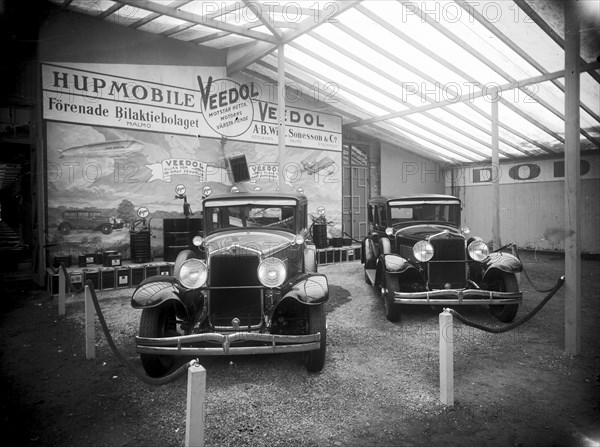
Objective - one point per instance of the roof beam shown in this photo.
(429, 78)
(242, 56)
(66, 4)
(110, 11)
(225, 10)
(177, 29)
(154, 15)
(382, 91)
(199, 20)
(319, 78)
(265, 21)
(282, 8)
(470, 96)
(423, 49)
(517, 49)
(405, 130)
(423, 75)
(446, 64)
(316, 79)
(466, 46)
(549, 31)
(210, 37)
(141, 22)
(285, 25)
(394, 80)
(303, 82)
(312, 22)
(239, 61)
(481, 57)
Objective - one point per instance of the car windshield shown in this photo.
(249, 216)
(434, 211)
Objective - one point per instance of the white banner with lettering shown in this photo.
(178, 100)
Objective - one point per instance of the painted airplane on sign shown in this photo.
(106, 149)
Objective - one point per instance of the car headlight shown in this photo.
(423, 251)
(193, 273)
(272, 272)
(478, 250)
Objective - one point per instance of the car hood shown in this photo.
(264, 242)
(422, 232)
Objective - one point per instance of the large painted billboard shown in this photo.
(121, 137)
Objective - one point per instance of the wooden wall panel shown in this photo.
(532, 214)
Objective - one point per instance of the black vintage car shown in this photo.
(251, 287)
(416, 253)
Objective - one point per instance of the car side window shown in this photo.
(370, 217)
(402, 214)
(302, 219)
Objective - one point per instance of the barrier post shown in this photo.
(196, 390)
(90, 329)
(446, 358)
(62, 281)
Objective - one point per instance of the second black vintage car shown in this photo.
(416, 253)
(251, 287)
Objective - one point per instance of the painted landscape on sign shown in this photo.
(109, 173)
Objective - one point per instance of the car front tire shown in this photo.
(505, 282)
(369, 258)
(392, 310)
(317, 323)
(158, 322)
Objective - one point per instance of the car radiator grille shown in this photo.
(237, 272)
(448, 265)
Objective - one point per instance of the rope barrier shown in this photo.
(143, 377)
(516, 255)
(351, 238)
(499, 330)
(537, 289)
(504, 247)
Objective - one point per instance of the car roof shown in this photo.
(83, 209)
(254, 196)
(386, 199)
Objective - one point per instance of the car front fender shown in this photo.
(396, 264)
(392, 263)
(308, 288)
(154, 291)
(504, 262)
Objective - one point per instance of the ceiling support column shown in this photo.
(572, 182)
(280, 115)
(496, 173)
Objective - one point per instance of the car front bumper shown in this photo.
(266, 344)
(458, 297)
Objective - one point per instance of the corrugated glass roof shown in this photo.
(410, 73)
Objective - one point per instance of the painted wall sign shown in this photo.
(204, 106)
(227, 105)
(524, 172)
(204, 172)
(123, 137)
